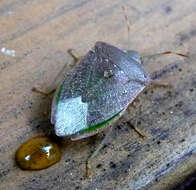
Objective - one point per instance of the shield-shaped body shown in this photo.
(100, 86)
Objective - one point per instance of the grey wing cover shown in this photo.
(107, 79)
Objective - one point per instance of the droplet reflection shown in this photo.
(37, 153)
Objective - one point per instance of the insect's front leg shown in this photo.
(98, 148)
(66, 68)
(75, 57)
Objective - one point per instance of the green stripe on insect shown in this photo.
(98, 126)
(59, 94)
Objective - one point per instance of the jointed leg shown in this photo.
(42, 92)
(100, 146)
(59, 76)
(75, 58)
(139, 132)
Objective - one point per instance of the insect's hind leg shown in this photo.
(91, 156)
(138, 131)
(43, 92)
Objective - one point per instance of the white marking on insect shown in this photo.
(71, 116)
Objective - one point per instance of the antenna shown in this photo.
(164, 53)
(94, 17)
(127, 23)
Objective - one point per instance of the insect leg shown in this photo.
(43, 92)
(100, 146)
(138, 131)
(75, 58)
(54, 83)
(59, 76)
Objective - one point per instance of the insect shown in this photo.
(98, 90)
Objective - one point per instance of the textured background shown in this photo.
(40, 32)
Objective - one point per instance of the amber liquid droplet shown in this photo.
(38, 153)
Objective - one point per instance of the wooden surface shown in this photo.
(40, 32)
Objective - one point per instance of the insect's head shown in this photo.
(134, 55)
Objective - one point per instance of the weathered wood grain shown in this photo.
(40, 32)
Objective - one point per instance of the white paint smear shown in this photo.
(8, 52)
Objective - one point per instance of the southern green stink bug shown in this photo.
(98, 90)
